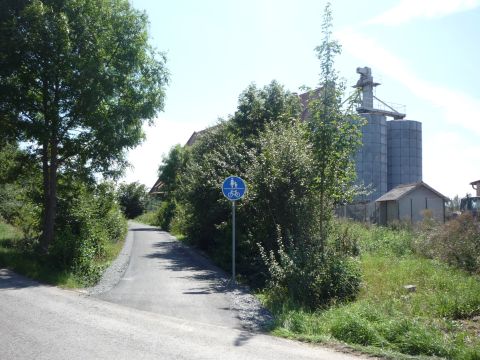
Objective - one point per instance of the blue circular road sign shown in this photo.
(234, 188)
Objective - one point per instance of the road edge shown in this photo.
(112, 275)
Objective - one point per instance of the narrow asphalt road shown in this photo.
(44, 322)
(168, 278)
(167, 306)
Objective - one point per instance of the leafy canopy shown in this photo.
(79, 74)
(132, 198)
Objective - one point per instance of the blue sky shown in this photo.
(425, 53)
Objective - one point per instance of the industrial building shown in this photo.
(389, 163)
(391, 154)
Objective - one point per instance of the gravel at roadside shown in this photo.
(115, 271)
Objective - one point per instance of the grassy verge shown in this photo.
(148, 218)
(38, 268)
(151, 218)
(439, 319)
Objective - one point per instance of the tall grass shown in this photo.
(148, 218)
(386, 318)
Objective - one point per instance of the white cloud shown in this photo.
(459, 109)
(408, 10)
(146, 158)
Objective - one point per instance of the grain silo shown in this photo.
(404, 138)
(371, 159)
(391, 153)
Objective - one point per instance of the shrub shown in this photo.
(311, 277)
(164, 214)
(213, 157)
(178, 225)
(17, 208)
(132, 198)
(279, 193)
(456, 242)
(87, 221)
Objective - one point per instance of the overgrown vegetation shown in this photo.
(90, 233)
(436, 320)
(457, 242)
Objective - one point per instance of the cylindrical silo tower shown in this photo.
(404, 152)
(371, 159)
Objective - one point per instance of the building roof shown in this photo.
(193, 138)
(156, 188)
(403, 190)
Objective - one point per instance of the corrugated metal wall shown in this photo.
(391, 154)
(371, 159)
(404, 149)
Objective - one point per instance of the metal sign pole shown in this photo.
(233, 189)
(233, 242)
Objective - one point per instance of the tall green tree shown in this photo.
(170, 169)
(257, 107)
(335, 132)
(78, 79)
(132, 198)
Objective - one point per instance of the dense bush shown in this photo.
(87, 222)
(19, 191)
(279, 192)
(179, 222)
(164, 214)
(456, 242)
(18, 208)
(216, 155)
(132, 199)
(310, 276)
(266, 144)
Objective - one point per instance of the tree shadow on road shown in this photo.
(11, 281)
(243, 338)
(210, 279)
(196, 267)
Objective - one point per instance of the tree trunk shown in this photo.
(50, 165)
(45, 172)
